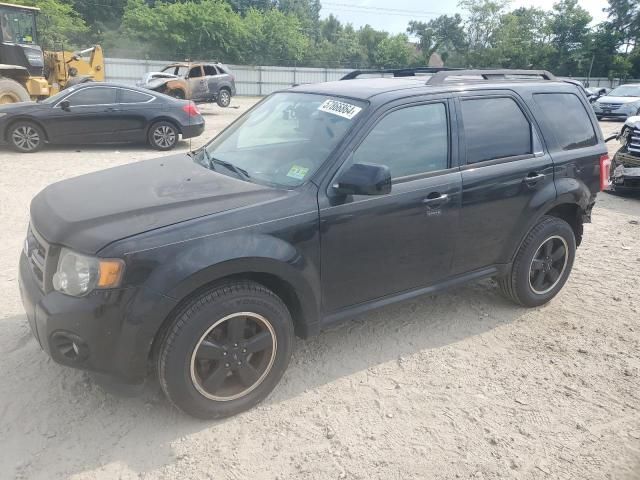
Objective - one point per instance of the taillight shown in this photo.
(605, 171)
(191, 109)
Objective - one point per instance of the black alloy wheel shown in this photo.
(548, 265)
(233, 356)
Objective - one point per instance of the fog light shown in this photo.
(68, 346)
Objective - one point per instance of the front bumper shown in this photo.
(107, 331)
(192, 130)
(619, 112)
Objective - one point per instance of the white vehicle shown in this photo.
(621, 102)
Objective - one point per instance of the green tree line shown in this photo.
(488, 33)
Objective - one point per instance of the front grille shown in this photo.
(634, 141)
(610, 106)
(37, 251)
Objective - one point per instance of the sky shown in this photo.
(393, 16)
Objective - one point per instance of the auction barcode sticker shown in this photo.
(341, 109)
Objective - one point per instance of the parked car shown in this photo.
(625, 166)
(200, 82)
(621, 102)
(322, 202)
(594, 93)
(100, 113)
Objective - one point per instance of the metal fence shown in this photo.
(250, 80)
(262, 80)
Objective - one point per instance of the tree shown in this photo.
(394, 52)
(273, 38)
(522, 39)
(440, 35)
(624, 16)
(483, 20)
(568, 26)
(369, 38)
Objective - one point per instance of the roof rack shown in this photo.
(398, 72)
(441, 77)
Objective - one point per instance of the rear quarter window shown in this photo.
(566, 117)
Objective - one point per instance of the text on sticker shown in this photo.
(341, 109)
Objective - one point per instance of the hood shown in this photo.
(157, 78)
(88, 212)
(608, 99)
(20, 107)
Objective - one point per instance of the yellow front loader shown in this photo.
(28, 73)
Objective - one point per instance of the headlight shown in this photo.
(631, 107)
(78, 274)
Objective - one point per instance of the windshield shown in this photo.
(18, 26)
(286, 138)
(625, 91)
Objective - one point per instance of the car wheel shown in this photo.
(163, 136)
(25, 137)
(225, 350)
(599, 117)
(542, 264)
(224, 98)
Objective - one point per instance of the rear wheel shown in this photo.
(163, 136)
(12, 92)
(25, 137)
(226, 350)
(542, 265)
(224, 98)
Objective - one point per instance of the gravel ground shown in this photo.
(457, 385)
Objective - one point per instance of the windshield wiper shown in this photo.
(240, 172)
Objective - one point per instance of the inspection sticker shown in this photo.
(297, 172)
(341, 109)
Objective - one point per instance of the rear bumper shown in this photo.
(112, 330)
(193, 130)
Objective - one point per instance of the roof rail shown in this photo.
(397, 72)
(499, 74)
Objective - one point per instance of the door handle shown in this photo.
(435, 199)
(112, 109)
(533, 178)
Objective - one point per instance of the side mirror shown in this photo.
(364, 179)
(65, 105)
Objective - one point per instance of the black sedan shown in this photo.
(100, 113)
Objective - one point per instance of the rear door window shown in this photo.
(210, 70)
(494, 128)
(565, 116)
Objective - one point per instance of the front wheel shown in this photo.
(25, 137)
(163, 136)
(224, 98)
(542, 265)
(226, 350)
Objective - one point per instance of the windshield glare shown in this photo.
(625, 91)
(286, 137)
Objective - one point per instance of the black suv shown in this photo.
(320, 203)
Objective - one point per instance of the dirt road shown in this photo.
(457, 385)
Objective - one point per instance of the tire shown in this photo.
(599, 117)
(163, 136)
(208, 382)
(522, 284)
(224, 98)
(25, 136)
(12, 92)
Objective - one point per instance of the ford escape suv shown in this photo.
(320, 203)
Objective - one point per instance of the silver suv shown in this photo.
(200, 82)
